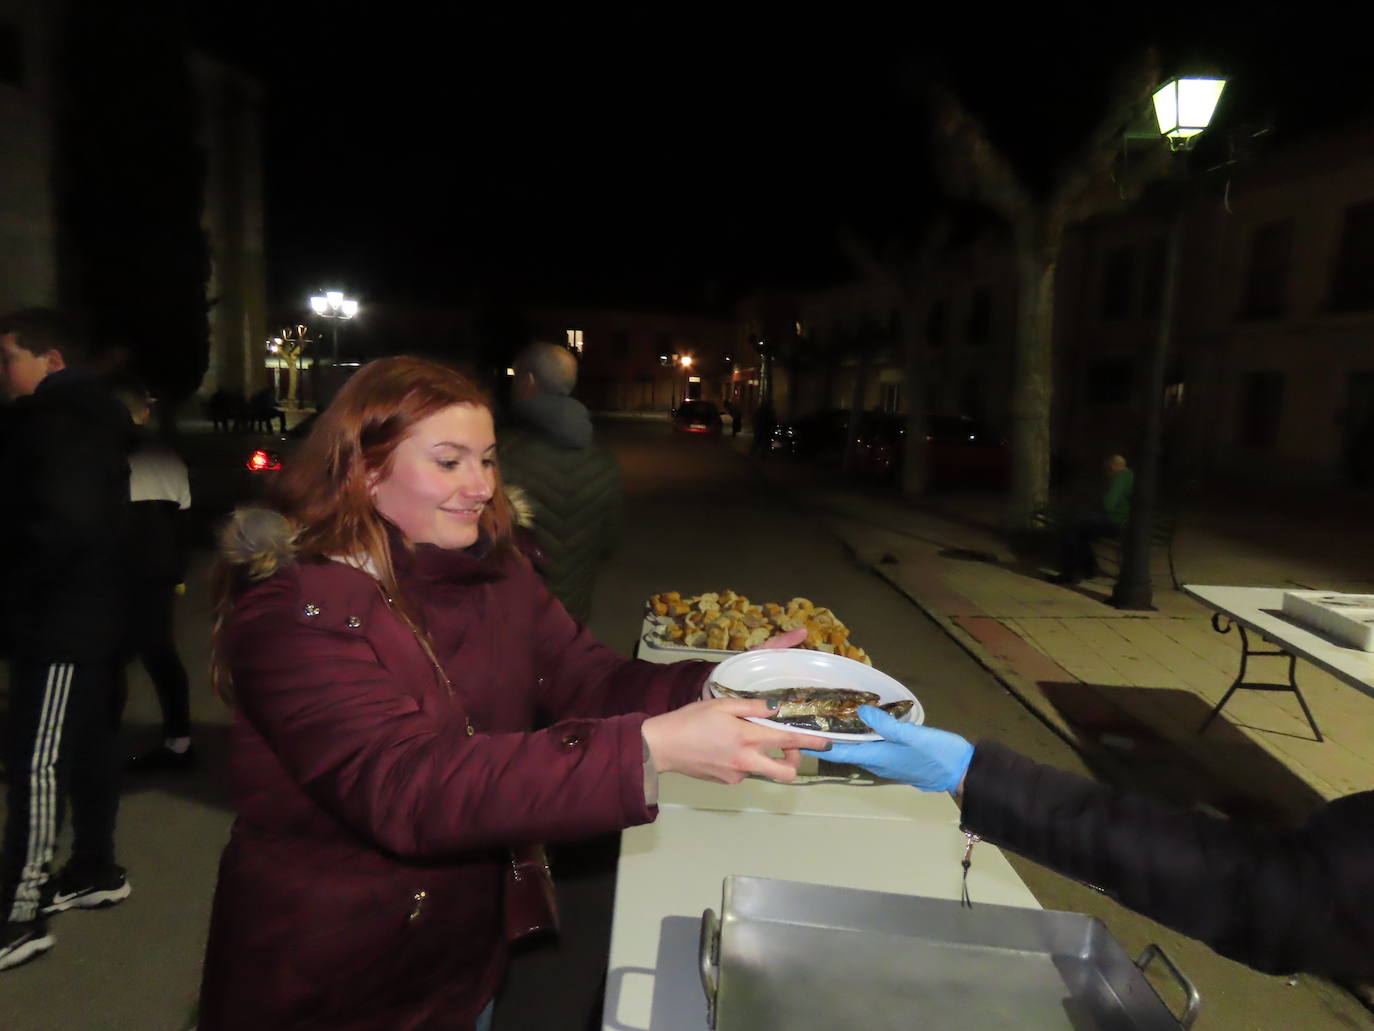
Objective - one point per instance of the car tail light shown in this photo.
(261, 461)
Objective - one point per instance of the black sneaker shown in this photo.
(21, 942)
(73, 890)
(162, 759)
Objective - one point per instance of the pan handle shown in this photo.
(708, 956)
(1194, 999)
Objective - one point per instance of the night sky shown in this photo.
(670, 159)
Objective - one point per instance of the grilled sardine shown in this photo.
(833, 710)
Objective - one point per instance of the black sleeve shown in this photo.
(1276, 900)
(79, 491)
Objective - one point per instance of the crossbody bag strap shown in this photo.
(423, 641)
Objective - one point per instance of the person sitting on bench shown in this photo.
(1080, 529)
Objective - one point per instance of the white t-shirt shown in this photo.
(156, 474)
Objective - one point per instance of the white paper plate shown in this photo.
(773, 668)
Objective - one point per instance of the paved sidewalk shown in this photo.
(1130, 689)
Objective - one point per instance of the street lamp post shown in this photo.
(686, 362)
(334, 306)
(1183, 109)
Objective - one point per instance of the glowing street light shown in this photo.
(1184, 107)
(334, 305)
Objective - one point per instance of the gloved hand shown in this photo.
(925, 758)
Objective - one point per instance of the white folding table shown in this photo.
(824, 830)
(1259, 610)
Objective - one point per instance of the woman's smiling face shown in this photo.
(441, 478)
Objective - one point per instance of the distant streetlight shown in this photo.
(1183, 109)
(686, 361)
(334, 305)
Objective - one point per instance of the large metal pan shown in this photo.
(803, 956)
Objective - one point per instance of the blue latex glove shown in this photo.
(925, 758)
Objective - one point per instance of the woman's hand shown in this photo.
(711, 740)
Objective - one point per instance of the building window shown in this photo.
(1352, 288)
(1261, 407)
(11, 55)
(1266, 274)
(891, 397)
(1108, 382)
(935, 324)
(575, 340)
(620, 343)
(973, 396)
(1117, 272)
(980, 317)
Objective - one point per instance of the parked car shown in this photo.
(269, 459)
(818, 436)
(697, 418)
(961, 451)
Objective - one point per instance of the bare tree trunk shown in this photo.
(1032, 393)
(974, 168)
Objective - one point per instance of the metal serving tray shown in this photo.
(651, 633)
(803, 956)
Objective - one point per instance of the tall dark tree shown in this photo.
(129, 183)
(973, 167)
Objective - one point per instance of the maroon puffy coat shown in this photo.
(361, 886)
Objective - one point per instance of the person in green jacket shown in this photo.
(572, 482)
(1080, 529)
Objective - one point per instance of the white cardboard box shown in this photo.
(1349, 618)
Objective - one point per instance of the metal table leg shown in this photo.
(1222, 625)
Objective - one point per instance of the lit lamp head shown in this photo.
(1184, 107)
(320, 305)
(348, 307)
(686, 360)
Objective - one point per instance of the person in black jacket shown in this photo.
(159, 501)
(65, 460)
(1277, 900)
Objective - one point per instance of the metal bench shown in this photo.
(1162, 534)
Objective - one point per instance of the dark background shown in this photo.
(681, 157)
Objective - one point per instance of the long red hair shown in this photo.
(325, 488)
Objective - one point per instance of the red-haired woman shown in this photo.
(387, 652)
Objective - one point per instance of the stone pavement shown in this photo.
(1130, 689)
